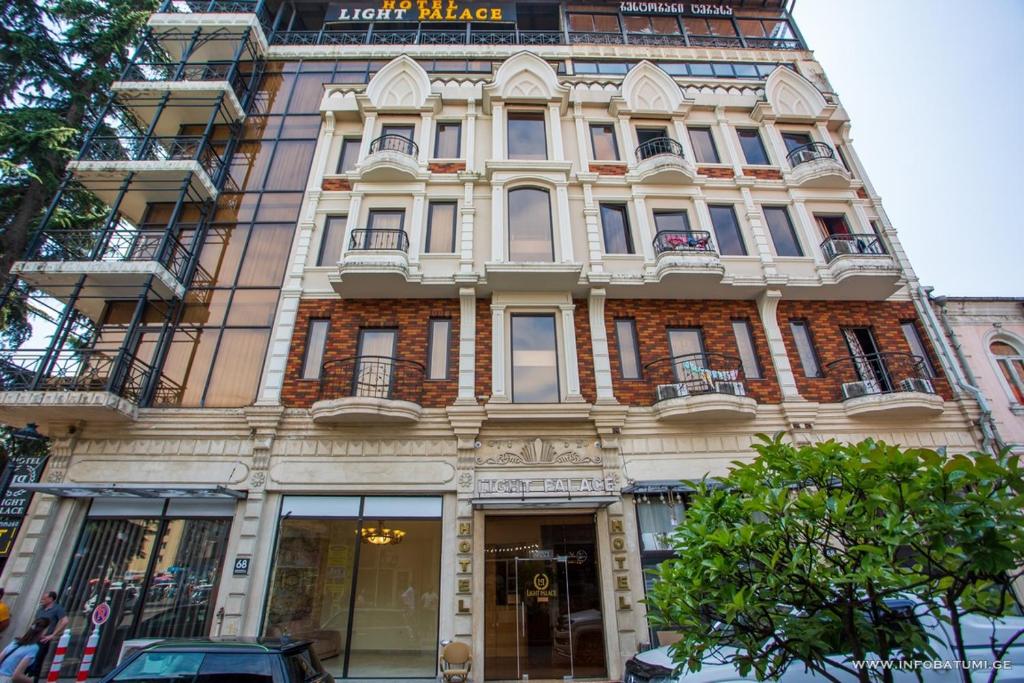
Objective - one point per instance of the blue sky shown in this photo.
(935, 90)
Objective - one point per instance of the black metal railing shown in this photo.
(694, 374)
(119, 244)
(374, 239)
(210, 6)
(810, 152)
(879, 373)
(659, 147)
(656, 39)
(380, 377)
(683, 240)
(74, 370)
(162, 148)
(839, 245)
(189, 71)
(394, 143)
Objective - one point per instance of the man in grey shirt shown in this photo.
(51, 610)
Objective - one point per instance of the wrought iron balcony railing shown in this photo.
(810, 152)
(380, 240)
(659, 147)
(695, 374)
(115, 371)
(379, 377)
(879, 373)
(119, 244)
(161, 148)
(189, 71)
(210, 6)
(394, 143)
(683, 240)
(838, 245)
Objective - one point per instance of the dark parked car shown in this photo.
(222, 660)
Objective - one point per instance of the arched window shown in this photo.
(529, 225)
(1011, 363)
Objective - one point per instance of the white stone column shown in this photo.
(353, 219)
(804, 224)
(703, 221)
(415, 230)
(469, 151)
(369, 133)
(767, 306)
(572, 367)
(644, 231)
(498, 131)
(468, 212)
(323, 152)
(730, 143)
(625, 131)
(759, 231)
(564, 223)
(582, 143)
(426, 132)
(498, 353)
(497, 222)
(599, 339)
(683, 135)
(777, 144)
(863, 223)
(826, 137)
(595, 243)
(467, 346)
(555, 126)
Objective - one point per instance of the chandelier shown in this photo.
(381, 535)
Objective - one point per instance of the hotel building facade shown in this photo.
(409, 318)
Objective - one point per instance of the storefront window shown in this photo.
(657, 516)
(360, 577)
(155, 562)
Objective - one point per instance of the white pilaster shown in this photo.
(777, 144)
(497, 223)
(595, 243)
(767, 306)
(417, 221)
(352, 222)
(729, 142)
(467, 346)
(581, 137)
(683, 136)
(644, 231)
(469, 151)
(599, 340)
(426, 133)
(498, 131)
(572, 367)
(628, 139)
(704, 219)
(468, 212)
(498, 353)
(564, 223)
(806, 226)
(555, 126)
(369, 133)
(759, 231)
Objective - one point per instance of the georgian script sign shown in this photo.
(421, 10)
(547, 486)
(690, 9)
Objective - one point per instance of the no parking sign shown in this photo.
(100, 614)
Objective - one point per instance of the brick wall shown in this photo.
(654, 317)
(453, 167)
(825, 320)
(763, 173)
(335, 185)
(608, 169)
(715, 171)
(484, 348)
(585, 351)
(410, 316)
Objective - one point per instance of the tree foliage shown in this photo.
(796, 558)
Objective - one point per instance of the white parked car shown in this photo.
(656, 666)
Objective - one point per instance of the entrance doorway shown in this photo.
(542, 614)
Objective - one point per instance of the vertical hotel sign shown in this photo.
(21, 469)
(420, 10)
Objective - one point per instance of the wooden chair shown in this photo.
(455, 662)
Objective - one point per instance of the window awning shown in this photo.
(544, 502)
(657, 486)
(133, 491)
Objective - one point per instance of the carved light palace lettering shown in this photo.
(420, 10)
(547, 485)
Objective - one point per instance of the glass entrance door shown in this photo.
(541, 615)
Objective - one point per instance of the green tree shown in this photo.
(57, 62)
(794, 558)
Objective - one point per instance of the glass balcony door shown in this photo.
(374, 373)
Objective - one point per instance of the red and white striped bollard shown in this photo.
(58, 656)
(90, 650)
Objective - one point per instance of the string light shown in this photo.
(511, 548)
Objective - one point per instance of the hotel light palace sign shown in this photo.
(421, 10)
(547, 486)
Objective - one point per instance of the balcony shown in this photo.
(188, 86)
(70, 385)
(859, 266)
(158, 168)
(699, 386)
(661, 160)
(116, 260)
(815, 165)
(223, 23)
(369, 390)
(376, 264)
(885, 386)
(687, 259)
(390, 158)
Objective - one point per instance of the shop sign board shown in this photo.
(689, 9)
(546, 486)
(14, 500)
(421, 10)
(241, 567)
